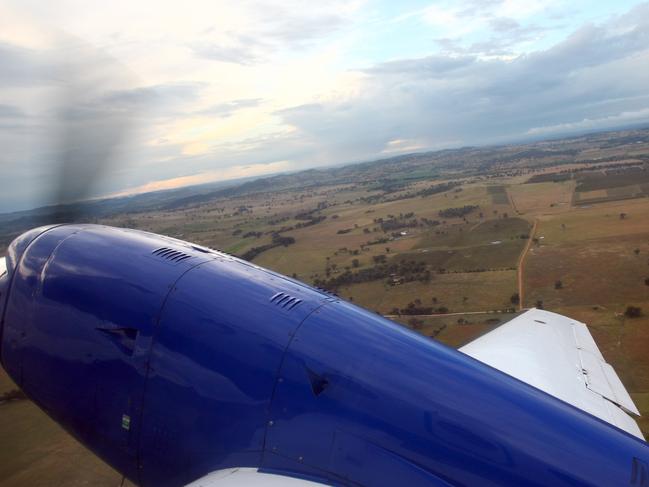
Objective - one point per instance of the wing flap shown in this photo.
(559, 356)
(620, 395)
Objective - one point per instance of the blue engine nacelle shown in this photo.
(170, 361)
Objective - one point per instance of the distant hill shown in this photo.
(383, 173)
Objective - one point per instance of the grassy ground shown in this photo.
(458, 329)
(483, 291)
(38, 452)
(542, 197)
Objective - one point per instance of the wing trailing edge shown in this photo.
(559, 356)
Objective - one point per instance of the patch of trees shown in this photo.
(305, 215)
(457, 212)
(412, 309)
(430, 223)
(398, 224)
(633, 312)
(550, 178)
(415, 308)
(277, 221)
(435, 189)
(344, 231)
(311, 221)
(388, 186)
(394, 273)
(404, 220)
(441, 270)
(13, 395)
(370, 200)
(438, 188)
(309, 215)
(378, 241)
(242, 210)
(278, 241)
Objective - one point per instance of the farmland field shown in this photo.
(544, 197)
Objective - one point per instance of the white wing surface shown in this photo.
(249, 477)
(559, 356)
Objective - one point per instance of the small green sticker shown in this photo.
(126, 422)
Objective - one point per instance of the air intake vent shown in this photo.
(331, 297)
(285, 301)
(171, 254)
(326, 291)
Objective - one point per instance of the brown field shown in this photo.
(457, 330)
(586, 272)
(534, 198)
(484, 291)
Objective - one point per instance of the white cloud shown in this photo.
(586, 124)
(233, 172)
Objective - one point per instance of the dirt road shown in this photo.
(521, 263)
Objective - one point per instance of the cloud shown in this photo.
(274, 28)
(24, 67)
(10, 111)
(166, 94)
(232, 172)
(228, 108)
(238, 49)
(504, 24)
(624, 118)
(596, 77)
(437, 66)
(472, 8)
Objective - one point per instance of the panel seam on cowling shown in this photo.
(279, 371)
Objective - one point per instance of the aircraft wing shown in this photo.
(3, 266)
(559, 356)
(249, 477)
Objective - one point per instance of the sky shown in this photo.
(146, 95)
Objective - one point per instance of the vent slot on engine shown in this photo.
(284, 300)
(171, 254)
